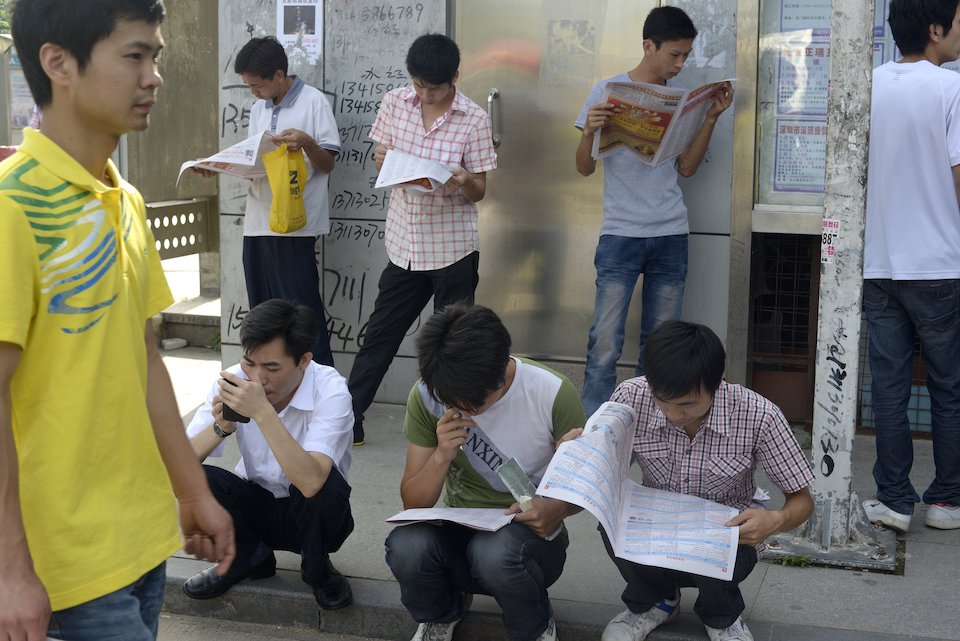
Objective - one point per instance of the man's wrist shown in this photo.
(219, 431)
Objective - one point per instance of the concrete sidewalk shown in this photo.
(783, 603)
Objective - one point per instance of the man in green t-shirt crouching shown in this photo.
(475, 407)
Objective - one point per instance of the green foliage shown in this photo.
(4, 17)
(796, 561)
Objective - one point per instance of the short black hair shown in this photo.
(296, 324)
(74, 25)
(910, 22)
(463, 351)
(433, 58)
(664, 24)
(261, 57)
(680, 358)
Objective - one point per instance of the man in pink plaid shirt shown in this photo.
(431, 238)
(697, 434)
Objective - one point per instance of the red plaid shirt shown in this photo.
(428, 231)
(742, 431)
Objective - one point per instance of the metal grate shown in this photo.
(782, 281)
(181, 227)
(783, 284)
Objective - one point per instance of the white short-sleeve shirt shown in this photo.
(319, 417)
(307, 109)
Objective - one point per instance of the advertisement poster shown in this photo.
(300, 29)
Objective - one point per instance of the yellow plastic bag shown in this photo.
(287, 175)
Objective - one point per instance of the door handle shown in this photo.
(494, 94)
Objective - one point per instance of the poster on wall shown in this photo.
(795, 57)
(300, 29)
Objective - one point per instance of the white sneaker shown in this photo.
(877, 512)
(435, 631)
(550, 634)
(630, 626)
(736, 632)
(943, 516)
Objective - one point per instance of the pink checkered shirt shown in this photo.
(742, 431)
(428, 231)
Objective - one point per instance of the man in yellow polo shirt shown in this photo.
(92, 449)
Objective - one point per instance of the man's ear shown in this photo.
(936, 32)
(649, 47)
(59, 65)
(305, 360)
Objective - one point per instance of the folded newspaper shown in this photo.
(411, 172)
(654, 121)
(644, 525)
(244, 159)
(483, 519)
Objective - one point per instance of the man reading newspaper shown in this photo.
(644, 219)
(698, 435)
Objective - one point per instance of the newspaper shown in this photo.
(483, 519)
(244, 159)
(644, 525)
(656, 122)
(411, 172)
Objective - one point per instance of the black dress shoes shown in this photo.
(207, 585)
(334, 593)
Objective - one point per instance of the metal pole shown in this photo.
(838, 532)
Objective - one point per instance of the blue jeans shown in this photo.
(436, 565)
(620, 261)
(896, 311)
(129, 614)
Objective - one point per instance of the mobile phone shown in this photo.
(230, 415)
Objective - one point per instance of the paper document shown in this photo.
(483, 519)
(244, 159)
(656, 122)
(411, 172)
(644, 525)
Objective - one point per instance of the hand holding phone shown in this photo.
(229, 414)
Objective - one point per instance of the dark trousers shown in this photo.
(312, 527)
(719, 603)
(403, 295)
(286, 267)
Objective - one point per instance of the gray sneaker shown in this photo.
(435, 631)
(736, 632)
(630, 626)
(441, 631)
(550, 634)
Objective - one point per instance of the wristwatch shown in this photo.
(219, 431)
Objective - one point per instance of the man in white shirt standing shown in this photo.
(290, 489)
(911, 266)
(285, 265)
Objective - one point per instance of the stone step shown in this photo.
(196, 320)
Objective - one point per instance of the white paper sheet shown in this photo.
(484, 519)
(244, 159)
(411, 172)
(645, 525)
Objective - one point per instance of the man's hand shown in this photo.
(459, 178)
(756, 525)
(294, 138)
(379, 154)
(543, 518)
(207, 531)
(453, 429)
(200, 171)
(598, 116)
(722, 98)
(572, 435)
(217, 411)
(24, 606)
(247, 398)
